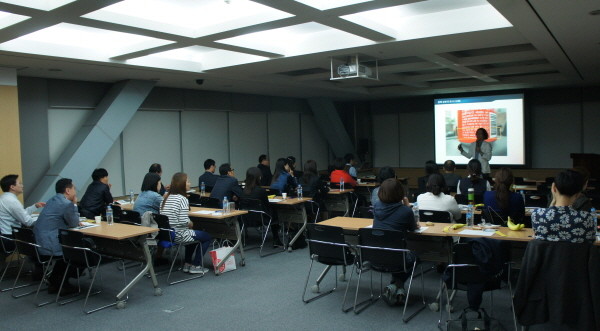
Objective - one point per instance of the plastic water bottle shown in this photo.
(109, 215)
(225, 205)
(299, 192)
(416, 212)
(341, 184)
(131, 196)
(202, 189)
(470, 215)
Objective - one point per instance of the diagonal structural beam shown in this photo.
(331, 126)
(95, 138)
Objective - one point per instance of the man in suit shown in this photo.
(227, 184)
(265, 169)
(208, 177)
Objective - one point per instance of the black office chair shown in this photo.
(130, 217)
(208, 202)
(7, 244)
(327, 245)
(536, 200)
(77, 253)
(166, 239)
(195, 199)
(463, 271)
(256, 217)
(25, 245)
(463, 199)
(385, 251)
(434, 216)
(117, 211)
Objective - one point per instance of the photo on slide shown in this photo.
(462, 124)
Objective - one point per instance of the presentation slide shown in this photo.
(457, 120)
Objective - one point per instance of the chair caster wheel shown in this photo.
(121, 304)
(342, 277)
(450, 308)
(158, 291)
(315, 288)
(434, 306)
(289, 249)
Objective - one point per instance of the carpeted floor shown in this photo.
(263, 295)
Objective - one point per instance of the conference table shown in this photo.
(119, 240)
(337, 200)
(218, 224)
(291, 210)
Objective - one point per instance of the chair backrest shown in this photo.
(194, 198)
(385, 250)
(4, 242)
(25, 241)
(463, 199)
(328, 244)
(208, 202)
(462, 254)
(434, 216)
(254, 208)
(117, 211)
(493, 217)
(536, 200)
(130, 217)
(164, 232)
(76, 250)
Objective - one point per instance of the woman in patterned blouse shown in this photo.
(562, 222)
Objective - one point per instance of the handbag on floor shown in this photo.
(217, 256)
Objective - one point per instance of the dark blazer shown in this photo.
(226, 186)
(94, 201)
(559, 282)
(266, 176)
(209, 180)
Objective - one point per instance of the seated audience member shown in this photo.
(176, 207)
(562, 222)
(393, 212)
(12, 213)
(312, 185)
(283, 178)
(435, 199)
(208, 177)
(581, 202)
(430, 168)
(97, 196)
(502, 200)
(149, 199)
(226, 185)
(252, 190)
(339, 173)
(60, 212)
(450, 177)
(156, 168)
(384, 173)
(265, 169)
(474, 180)
(293, 171)
(350, 164)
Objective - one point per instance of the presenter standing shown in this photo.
(480, 150)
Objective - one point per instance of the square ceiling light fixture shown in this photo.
(195, 59)
(330, 4)
(75, 41)
(431, 18)
(299, 39)
(8, 19)
(189, 18)
(39, 4)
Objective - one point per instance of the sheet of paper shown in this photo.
(88, 225)
(204, 212)
(421, 229)
(123, 202)
(477, 233)
(275, 200)
(369, 226)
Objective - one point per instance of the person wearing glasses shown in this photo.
(226, 185)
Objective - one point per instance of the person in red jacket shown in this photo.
(339, 173)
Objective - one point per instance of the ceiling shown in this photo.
(286, 47)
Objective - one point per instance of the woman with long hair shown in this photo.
(480, 150)
(474, 180)
(149, 199)
(176, 207)
(252, 190)
(502, 200)
(436, 199)
(283, 179)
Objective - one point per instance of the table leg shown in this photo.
(301, 230)
(147, 268)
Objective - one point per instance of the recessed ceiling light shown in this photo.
(8, 19)
(39, 4)
(329, 4)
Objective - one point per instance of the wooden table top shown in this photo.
(370, 184)
(194, 213)
(525, 187)
(338, 191)
(348, 223)
(117, 231)
(290, 201)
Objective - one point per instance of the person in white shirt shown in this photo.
(12, 212)
(435, 199)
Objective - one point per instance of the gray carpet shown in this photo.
(263, 295)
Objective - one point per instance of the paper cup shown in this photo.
(284, 195)
(98, 219)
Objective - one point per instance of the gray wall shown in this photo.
(558, 122)
(174, 127)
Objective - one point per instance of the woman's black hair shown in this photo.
(431, 168)
(155, 168)
(436, 184)
(485, 133)
(279, 168)
(474, 170)
(150, 182)
(253, 175)
(569, 182)
(385, 173)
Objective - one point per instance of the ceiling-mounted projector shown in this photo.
(345, 70)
